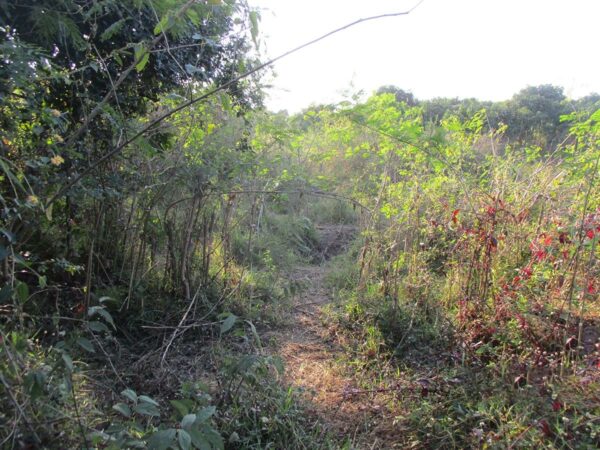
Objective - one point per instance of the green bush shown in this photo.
(331, 211)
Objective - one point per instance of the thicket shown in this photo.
(121, 232)
(476, 272)
(145, 246)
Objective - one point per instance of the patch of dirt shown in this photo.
(312, 353)
(334, 239)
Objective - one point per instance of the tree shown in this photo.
(533, 114)
(87, 74)
(401, 95)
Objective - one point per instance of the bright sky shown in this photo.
(488, 49)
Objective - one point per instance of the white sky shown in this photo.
(488, 49)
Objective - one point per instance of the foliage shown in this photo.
(78, 79)
(133, 254)
(479, 255)
(264, 414)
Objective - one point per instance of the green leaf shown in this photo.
(98, 437)
(278, 364)
(104, 301)
(215, 439)
(22, 291)
(146, 399)
(135, 443)
(161, 440)
(68, 361)
(86, 344)
(225, 102)
(165, 23)
(141, 55)
(199, 440)
(100, 310)
(246, 362)
(130, 395)
(13, 178)
(187, 421)
(181, 406)
(205, 413)
(99, 327)
(254, 17)
(3, 252)
(123, 409)
(184, 439)
(147, 409)
(34, 383)
(228, 323)
(112, 30)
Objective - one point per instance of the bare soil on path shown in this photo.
(313, 352)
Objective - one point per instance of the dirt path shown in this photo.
(313, 353)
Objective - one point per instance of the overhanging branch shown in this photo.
(116, 150)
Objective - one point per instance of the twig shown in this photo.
(519, 437)
(318, 193)
(580, 233)
(350, 393)
(185, 327)
(110, 363)
(77, 415)
(20, 410)
(176, 331)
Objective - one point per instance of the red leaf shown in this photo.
(591, 289)
(556, 405)
(590, 234)
(540, 255)
(545, 428)
(455, 215)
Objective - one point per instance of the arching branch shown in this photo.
(117, 149)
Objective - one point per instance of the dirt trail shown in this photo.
(312, 352)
